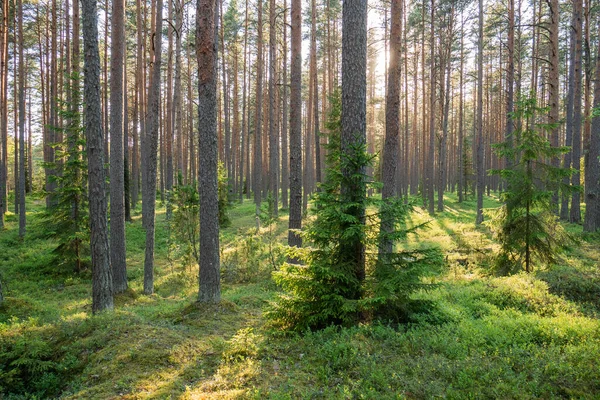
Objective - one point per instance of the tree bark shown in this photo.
(354, 98)
(575, 214)
(295, 219)
(392, 125)
(117, 165)
(102, 284)
(206, 51)
(479, 121)
(431, 150)
(22, 171)
(258, 148)
(273, 131)
(591, 222)
(150, 148)
(285, 172)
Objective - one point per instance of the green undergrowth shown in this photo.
(472, 335)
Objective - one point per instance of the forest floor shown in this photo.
(480, 336)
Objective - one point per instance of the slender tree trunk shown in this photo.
(392, 126)
(257, 173)
(431, 151)
(150, 148)
(22, 172)
(295, 220)
(510, 80)
(591, 222)
(354, 97)
(273, 131)
(177, 92)
(285, 174)
(553, 83)
(575, 214)
(479, 127)
(102, 283)
(206, 51)
(117, 165)
(460, 159)
(245, 139)
(315, 83)
(140, 87)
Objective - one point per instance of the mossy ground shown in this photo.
(474, 335)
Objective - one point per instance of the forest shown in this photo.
(299, 199)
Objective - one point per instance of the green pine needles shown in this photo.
(526, 225)
(323, 289)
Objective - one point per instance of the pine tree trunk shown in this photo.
(285, 174)
(354, 97)
(258, 148)
(22, 172)
(553, 83)
(591, 222)
(479, 128)
(3, 106)
(273, 131)
(392, 125)
(575, 214)
(102, 284)
(431, 148)
(150, 148)
(206, 50)
(117, 165)
(295, 219)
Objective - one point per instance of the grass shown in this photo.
(477, 335)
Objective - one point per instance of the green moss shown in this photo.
(472, 336)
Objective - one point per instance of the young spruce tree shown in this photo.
(526, 225)
(67, 220)
(320, 291)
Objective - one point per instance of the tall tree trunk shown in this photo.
(169, 113)
(460, 159)
(285, 174)
(510, 80)
(3, 107)
(431, 150)
(258, 148)
(22, 172)
(315, 83)
(392, 126)
(117, 165)
(206, 50)
(575, 214)
(479, 121)
(273, 131)
(177, 92)
(102, 284)
(150, 148)
(245, 139)
(295, 220)
(553, 83)
(140, 108)
(354, 119)
(591, 223)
